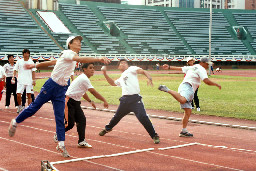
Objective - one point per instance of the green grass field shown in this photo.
(236, 99)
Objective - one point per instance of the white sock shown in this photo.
(184, 130)
(61, 143)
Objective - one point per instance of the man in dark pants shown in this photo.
(11, 86)
(131, 99)
(75, 92)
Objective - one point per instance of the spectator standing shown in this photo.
(11, 85)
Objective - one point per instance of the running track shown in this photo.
(212, 148)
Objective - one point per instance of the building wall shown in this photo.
(250, 4)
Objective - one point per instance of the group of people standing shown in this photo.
(20, 87)
(66, 99)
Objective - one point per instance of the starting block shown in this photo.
(46, 166)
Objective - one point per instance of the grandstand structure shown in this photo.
(137, 33)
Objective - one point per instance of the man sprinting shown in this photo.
(55, 88)
(185, 94)
(131, 101)
(75, 92)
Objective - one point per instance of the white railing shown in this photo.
(137, 57)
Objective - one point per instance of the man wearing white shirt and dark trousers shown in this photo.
(131, 101)
(55, 87)
(11, 85)
(185, 94)
(75, 92)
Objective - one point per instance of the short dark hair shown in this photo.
(121, 60)
(86, 65)
(25, 51)
(10, 55)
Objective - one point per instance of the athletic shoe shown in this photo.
(63, 151)
(156, 139)
(20, 108)
(55, 138)
(103, 132)
(12, 128)
(163, 88)
(6, 107)
(84, 144)
(198, 109)
(16, 107)
(185, 134)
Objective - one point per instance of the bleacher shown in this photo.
(194, 27)
(248, 20)
(18, 30)
(146, 35)
(86, 22)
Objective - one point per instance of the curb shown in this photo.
(180, 119)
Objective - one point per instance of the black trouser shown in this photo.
(24, 96)
(196, 99)
(76, 115)
(132, 103)
(11, 89)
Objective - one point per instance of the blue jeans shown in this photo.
(56, 93)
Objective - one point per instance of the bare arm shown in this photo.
(91, 60)
(109, 80)
(42, 64)
(98, 96)
(34, 78)
(141, 71)
(211, 83)
(166, 67)
(86, 97)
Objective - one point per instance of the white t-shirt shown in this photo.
(8, 68)
(129, 81)
(78, 87)
(64, 67)
(194, 75)
(2, 73)
(24, 75)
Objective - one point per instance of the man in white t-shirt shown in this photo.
(131, 101)
(75, 92)
(26, 78)
(55, 87)
(185, 94)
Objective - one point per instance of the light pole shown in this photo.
(210, 36)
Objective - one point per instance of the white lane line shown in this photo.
(178, 146)
(3, 169)
(102, 156)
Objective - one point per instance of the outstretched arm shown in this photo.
(211, 83)
(166, 67)
(98, 96)
(41, 64)
(91, 60)
(109, 80)
(141, 71)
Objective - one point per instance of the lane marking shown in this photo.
(178, 146)
(102, 156)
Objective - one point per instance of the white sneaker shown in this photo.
(55, 138)
(12, 128)
(84, 144)
(198, 109)
(6, 107)
(63, 151)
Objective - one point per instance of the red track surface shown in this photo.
(218, 148)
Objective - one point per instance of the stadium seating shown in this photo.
(194, 27)
(152, 35)
(18, 31)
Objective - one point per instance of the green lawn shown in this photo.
(236, 99)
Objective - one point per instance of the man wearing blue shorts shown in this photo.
(55, 88)
(185, 94)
